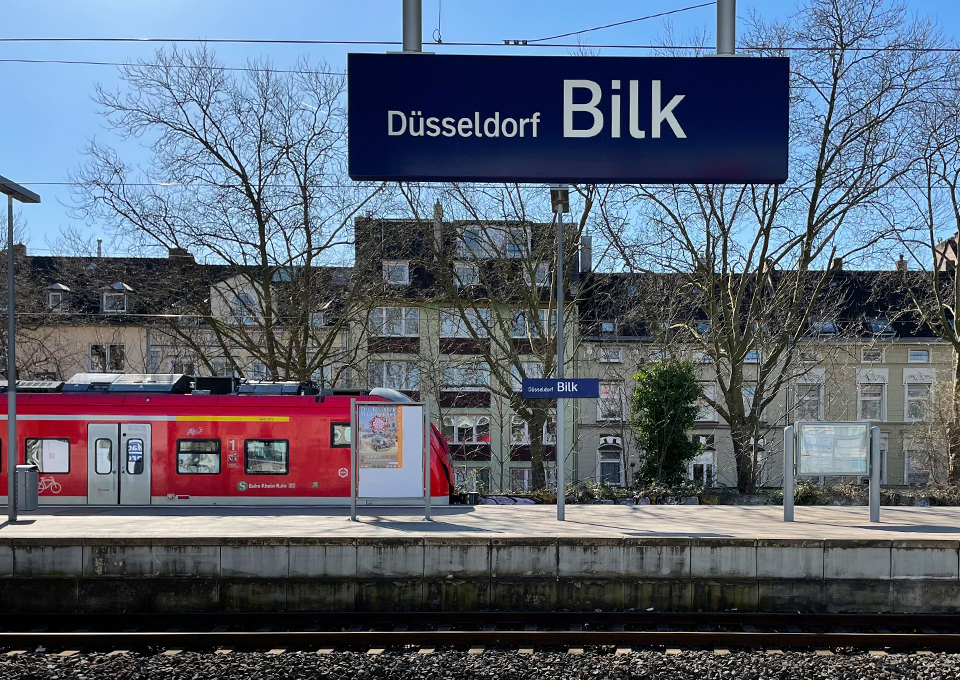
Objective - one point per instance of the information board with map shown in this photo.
(840, 449)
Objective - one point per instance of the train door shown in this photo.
(134, 464)
(118, 464)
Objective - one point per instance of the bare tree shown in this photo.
(758, 261)
(246, 171)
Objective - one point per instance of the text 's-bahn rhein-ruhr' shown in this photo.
(406, 339)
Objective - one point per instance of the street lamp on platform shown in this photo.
(14, 192)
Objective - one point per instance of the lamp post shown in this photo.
(560, 203)
(24, 195)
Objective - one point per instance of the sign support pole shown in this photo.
(412, 25)
(428, 455)
(354, 459)
(561, 486)
(726, 27)
(789, 458)
(875, 463)
(11, 375)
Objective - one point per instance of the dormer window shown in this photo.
(542, 275)
(824, 326)
(396, 272)
(114, 298)
(57, 298)
(880, 326)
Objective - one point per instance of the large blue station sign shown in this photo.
(561, 388)
(480, 118)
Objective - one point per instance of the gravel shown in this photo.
(491, 665)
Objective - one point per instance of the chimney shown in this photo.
(901, 264)
(586, 253)
(99, 247)
(179, 254)
(437, 229)
(836, 264)
(19, 250)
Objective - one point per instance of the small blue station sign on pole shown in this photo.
(561, 388)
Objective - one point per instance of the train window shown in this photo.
(134, 456)
(104, 456)
(50, 455)
(198, 456)
(266, 456)
(340, 435)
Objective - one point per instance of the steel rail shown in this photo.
(306, 639)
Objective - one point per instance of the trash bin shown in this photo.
(28, 487)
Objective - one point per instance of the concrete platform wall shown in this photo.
(460, 574)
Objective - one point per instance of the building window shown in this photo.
(752, 357)
(467, 429)
(608, 327)
(466, 274)
(470, 376)
(707, 413)
(182, 367)
(521, 480)
(531, 370)
(317, 320)
(258, 370)
(520, 430)
(395, 322)
(824, 326)
(491, 241)
(749, 392)
(396, 272)
(55, 302)
(266, 456)
(880, 326)
(610, 403)
(198, 456)
(472, 479)
(222, 368)
(106, 358)
(810, 402)
(542, 275)
(542, 327)
(919, 399)
(703, 468)
(610, 464)
(612, 355)
(919, 356)
(870, 401)
(395, 375)
(114, 303)
(703, 358)
(243, 308)
(810, 357)
(50, 455)
(871, 355)
(455, 323)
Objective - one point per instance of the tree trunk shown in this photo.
(953, 427)
(535, 427)
(743, 456)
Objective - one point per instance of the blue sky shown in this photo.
(47, 114)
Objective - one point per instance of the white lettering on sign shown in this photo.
(566, 386)
(658, 114)
(416, 125)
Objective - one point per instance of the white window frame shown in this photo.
(802, 390)
(543, 275)
(244, 308)
(526, 473)
(810, 357)
(752, 357)
(467, 477)
(453, 324)
(520, 329)
(620, 463)
(108, 352)
(882, 322)
(611, 355)
(390, 266)
(707, 413)
(863, 355)
(531, 369)
(466, 274)
(493, 241)
(317, 320)
(378, 326)
(459, 376)
(548, 439)
(55, 301)
(455, 421)
(907, 400)
(410, 371)
(707, 458)
(608, 327)
(109, 294)
(911, 360)
(615, 389)
(883, 401)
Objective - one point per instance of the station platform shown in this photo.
(661, 558)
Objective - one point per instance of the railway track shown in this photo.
(619, 631)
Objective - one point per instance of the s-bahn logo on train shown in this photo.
(242, 486)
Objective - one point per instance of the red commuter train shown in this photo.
(103, 439)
